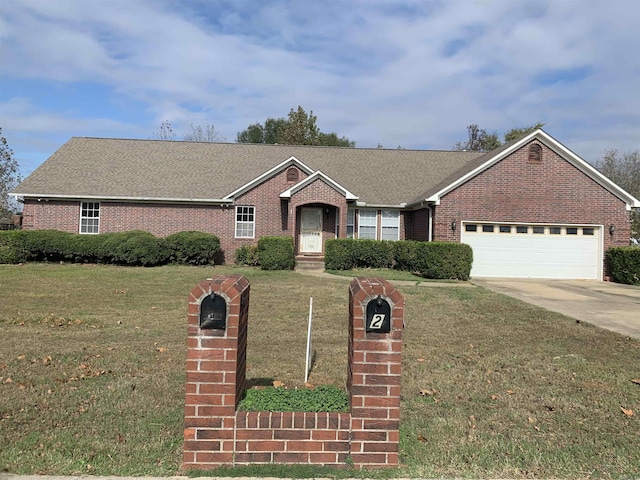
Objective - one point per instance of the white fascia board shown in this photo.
(268, 174)
(558, 148)
(435, 198)
(105, 198)
(313, 177)
(592, 172)
(379, 205)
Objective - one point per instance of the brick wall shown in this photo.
(514, 190)
(215, 434)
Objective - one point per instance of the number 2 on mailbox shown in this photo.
(378, 316)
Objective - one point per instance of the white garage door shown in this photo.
(534, 251)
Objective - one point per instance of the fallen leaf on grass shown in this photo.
(627, 411)
(495, 397)
(636, 381)
(309, 386)
(422, 439)
(161, 349)
(420, 360)
(427, 393)
(8, 380)
(510, 392)
(21, 357)
(278, 383)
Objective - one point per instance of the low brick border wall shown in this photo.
(215, 434)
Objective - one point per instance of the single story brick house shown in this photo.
(531, 208)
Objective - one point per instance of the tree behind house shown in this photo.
(624, 169)
(479, 140)
(9, 177)
(298, 129)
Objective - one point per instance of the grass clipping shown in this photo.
(326, 398)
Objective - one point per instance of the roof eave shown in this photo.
(312, 178)
(557, 147)
(46, 196)
(292, 160)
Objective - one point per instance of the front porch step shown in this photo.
(309, 262)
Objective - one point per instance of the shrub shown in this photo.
(373, 254)
(338, 254)
(624, 264)
(47, 245)
(405, 255)
(325, 398)
(247, 255)
(444, 260)
(11, 250)
(139, 248)
(194, 248)
(276, 253)
(347, 253)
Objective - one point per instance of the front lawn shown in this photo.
(92, 374)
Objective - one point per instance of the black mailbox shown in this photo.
(213, 312)
(378, 316)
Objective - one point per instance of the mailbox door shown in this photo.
(378, 317)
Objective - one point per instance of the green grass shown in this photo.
(92, 375)
(388, 274)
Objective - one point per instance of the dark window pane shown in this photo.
(521, 229)
(487, 228)
(470, 227)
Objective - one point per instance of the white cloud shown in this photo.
(411, 73)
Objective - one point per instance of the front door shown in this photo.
(311, 230)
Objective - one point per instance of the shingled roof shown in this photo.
(206, 172)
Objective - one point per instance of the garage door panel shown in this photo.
(534, 255)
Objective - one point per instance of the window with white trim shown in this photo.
(351, 216)
(390, 225)
(245, 222)
(90, 217)
(367, 224)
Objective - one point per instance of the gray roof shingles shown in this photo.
(156, 169)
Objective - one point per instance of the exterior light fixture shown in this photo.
(453, 225)
(612, 228)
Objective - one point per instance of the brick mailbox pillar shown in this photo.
(216, 356)
(376, 321)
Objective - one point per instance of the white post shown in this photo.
(307, 367)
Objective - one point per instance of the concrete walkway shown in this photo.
(607, 305)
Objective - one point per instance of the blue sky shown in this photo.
(411, 73)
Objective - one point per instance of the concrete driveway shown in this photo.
(607, 305)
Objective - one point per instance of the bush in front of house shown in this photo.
(405, 255)
(11, 250)
(436, 260)
(194, 248)
(339, 254)
(46, 245)
(444, 260)
(140, 248)
(125, 248)
(624, 264)
(247, 255)
(276, 253)
(347, 253)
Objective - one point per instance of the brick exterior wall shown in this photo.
(216, 434)
(51, 214)
(514, 190)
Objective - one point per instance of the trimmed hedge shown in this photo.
(123, 248)
(444, 260)
(436, 260)
(11, 250)
(624, 264)
(247, 255)
(276, 253)
(194, 248)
